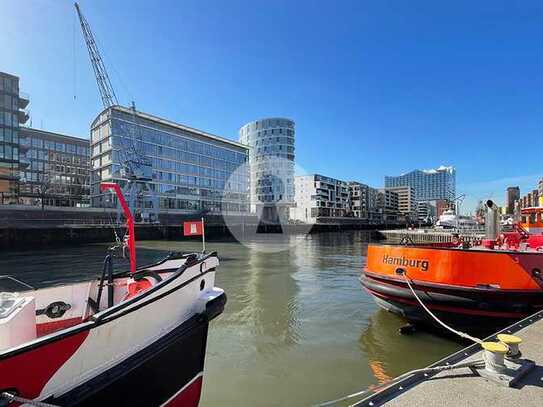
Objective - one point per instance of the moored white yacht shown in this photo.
(449, 220)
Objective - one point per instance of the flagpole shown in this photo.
(203, 237)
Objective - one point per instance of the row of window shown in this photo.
(269, 150)
(36, 165)
(39, 176)
(114, 171)
(259, 135)
(55, 157)
(9, 119)
(9, 102)
(161, 156)
(9, 84)
(9, 135)
(55, 146)
(266, 124)
(212, 206)
(173, 166)
(163, 139)
(8, 152)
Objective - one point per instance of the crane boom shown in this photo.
(104, 85)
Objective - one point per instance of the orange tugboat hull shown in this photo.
(474, 289)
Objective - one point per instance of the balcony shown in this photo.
(24, 100)
(22, 116)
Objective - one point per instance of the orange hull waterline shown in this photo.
(478, 288)
(468, 288)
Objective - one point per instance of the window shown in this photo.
(8, 136)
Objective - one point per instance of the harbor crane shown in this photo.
(136, 168)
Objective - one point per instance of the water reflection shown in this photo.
(269, 300)
(390, 354)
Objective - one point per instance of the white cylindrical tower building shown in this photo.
(271, 162)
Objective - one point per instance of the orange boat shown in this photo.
(476, 287)
(532, 219)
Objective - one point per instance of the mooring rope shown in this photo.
(426, 370)
(443, 324)
(13, 397)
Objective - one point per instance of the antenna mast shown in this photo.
(104, 85)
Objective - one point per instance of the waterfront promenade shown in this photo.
(24, 226)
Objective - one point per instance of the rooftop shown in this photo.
(31, 130)
(442, 168)
(170, 123)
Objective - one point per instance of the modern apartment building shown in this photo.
(426, 211)
(429, 185)
(363, 202)
(388, 202)
(191, 170)
(12, 115)
(54, 168)
(407, 204)
(319, 196)
(271, 162)
(512, 194)
(529, 200)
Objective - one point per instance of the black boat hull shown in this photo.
(480, 310)
(168, 372)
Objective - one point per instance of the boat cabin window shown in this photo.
(532, 218)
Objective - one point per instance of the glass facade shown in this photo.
(271, 161)
(53, 168)
(429, 185)
(11, 116)
(190, 168)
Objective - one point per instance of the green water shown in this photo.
(297, 330)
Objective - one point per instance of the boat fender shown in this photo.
(137, 287)
(54, 310)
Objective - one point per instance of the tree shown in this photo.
(44, 187)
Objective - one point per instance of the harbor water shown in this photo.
(298, 328)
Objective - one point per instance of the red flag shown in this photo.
(193, 228)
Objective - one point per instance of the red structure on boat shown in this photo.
(133, 338)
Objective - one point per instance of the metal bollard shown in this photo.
(494, 353)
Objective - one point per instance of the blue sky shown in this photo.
(375, 87)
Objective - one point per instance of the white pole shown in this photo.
(203, 237)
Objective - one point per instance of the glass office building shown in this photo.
(191, 170)
(53, 168)
(12, 114)
(429, 185)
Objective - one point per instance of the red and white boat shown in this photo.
(133, 338)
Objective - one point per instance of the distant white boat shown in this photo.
(449, 219)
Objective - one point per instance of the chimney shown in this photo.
(492, 220)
